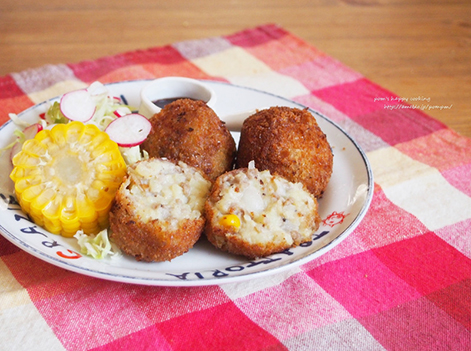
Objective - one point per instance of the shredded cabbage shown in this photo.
(54, 115)
(20, 139)
(133, 154)
(19, 122)
(8, 147)
(97, 246)
(105, 108)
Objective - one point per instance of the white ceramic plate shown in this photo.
(342, 207)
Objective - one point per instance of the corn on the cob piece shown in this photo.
(66, 178)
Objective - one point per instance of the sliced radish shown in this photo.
(97, 88)
(122, 111)
(129, 130)
(78, 105)
(15, 149)
(29, 133)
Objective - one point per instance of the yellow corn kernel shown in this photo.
(66, 178)
(230, 220)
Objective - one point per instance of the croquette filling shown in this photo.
(168, 192)
(270, 209)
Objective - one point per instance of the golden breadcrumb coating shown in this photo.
(190, 131)
(287, 141)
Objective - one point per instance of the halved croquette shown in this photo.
(255, 214)
(157, 214)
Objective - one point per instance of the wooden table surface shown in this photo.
(414, 48)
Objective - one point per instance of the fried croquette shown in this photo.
(157, 211)
(287, 141)
(190, 131)
(255, 214)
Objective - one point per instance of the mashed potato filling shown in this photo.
(270, 209)
(165, 191)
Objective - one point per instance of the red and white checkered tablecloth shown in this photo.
(400, 281)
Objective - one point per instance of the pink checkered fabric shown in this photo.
(400, 281)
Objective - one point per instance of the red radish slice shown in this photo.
(121, 111)
(15, 149)
(97, 88)
(78, 105)
(29, 133)
(129, 130)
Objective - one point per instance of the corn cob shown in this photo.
(66, 178)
